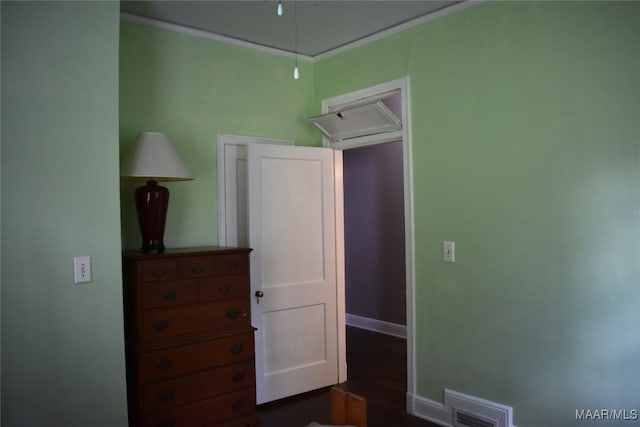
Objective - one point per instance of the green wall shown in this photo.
(62, 344)
(193, 89)
(526, 153)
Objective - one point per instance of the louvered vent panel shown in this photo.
(472, 411)
(464, 419)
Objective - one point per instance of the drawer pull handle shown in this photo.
(232, 314)
(168, 422)
(165, 396)
(160, 325)
(169, 295)
(238, 404)
(224, 290)
(236, 349)
(232, 266)
(159, 273)
(164, 364)
(197, 269)
(238, 377)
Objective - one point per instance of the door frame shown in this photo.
(359, 96)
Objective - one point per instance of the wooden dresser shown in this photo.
(189, 339)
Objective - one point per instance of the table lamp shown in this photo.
(153, 159)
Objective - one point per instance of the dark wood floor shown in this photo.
(377, 370)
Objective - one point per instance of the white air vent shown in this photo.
(361, 120)
(462, 418)
(471, 411)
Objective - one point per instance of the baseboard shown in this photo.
(376, 325)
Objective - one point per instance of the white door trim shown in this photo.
(341, 307)
(328, 105)
(223, 141)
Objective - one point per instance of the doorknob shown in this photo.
(259, 294)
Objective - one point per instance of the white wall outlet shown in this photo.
(448, 251)
(82, 269)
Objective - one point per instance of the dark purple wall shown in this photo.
(374, 232)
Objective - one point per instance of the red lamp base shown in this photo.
(152, 201)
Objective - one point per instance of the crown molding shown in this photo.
(129, 17)
(465, 4)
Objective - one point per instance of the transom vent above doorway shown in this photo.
(356, 121)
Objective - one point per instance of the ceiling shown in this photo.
(322, 25)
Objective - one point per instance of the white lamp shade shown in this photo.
(154, 157)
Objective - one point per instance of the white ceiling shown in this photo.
(322, 25)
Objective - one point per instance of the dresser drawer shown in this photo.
(158, 271)
(168, 295)
(191, 388)
(196, 267)
(230, 286)
(187, 359)
(160, 324)
(232, 264)
(207, 413)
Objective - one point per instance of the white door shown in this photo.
(293, 264)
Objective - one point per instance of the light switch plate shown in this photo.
(449, 251)
(82, 269)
